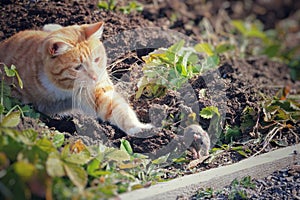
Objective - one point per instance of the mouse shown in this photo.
(200, 145)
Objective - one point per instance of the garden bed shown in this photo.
(241, 84)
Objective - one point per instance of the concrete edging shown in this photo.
(256, 167)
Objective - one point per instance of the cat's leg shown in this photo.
(111, 106)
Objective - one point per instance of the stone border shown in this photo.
(217, 178)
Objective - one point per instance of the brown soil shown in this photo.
(236, 84)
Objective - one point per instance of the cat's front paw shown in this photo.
(139, 128)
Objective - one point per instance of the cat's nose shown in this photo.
(94, 77)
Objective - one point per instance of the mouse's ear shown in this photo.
(94, 30)
(196, 136)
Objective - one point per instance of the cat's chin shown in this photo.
(133, 131)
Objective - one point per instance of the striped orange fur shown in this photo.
(60, 64)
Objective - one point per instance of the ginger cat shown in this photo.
(63, 65)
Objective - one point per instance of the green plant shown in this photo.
(7, 103)
(172, 67)
(113, 5)
(256, 40)
(37, 164)
(251, 30)
(236, 190)
(231, 134)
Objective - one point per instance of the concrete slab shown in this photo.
(256, 167)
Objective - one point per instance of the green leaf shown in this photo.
(247, 182)
(103, 5)
(94, 169)
(295, 116)
(20, 82)
(272, 50)
(24, 170)
(125, 146)
(93, 166)
(58, 139)
(240, 26)
(7, 102)
(1, 109)
(254, 32)
(211, 62)
(45, 145)
(232, 133)
(181, 160)
(116, 155)
(282, 115)
(242, 153)
(193, 59)
(248, 119)
(204, 48)
(139, 155)
(176, 47)
(54, 165)
(10, 72)
(161, 160)
(80, 158)
(280, 143)
(11, 120)
(28, 136)
(77, 175)
(222, 48)
(209, 112)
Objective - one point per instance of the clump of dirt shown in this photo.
(236, 84)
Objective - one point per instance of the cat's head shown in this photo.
(74, 52)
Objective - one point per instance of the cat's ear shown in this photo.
(58, 48)
(52, 27)
(95, 29)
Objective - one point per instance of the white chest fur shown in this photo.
(54, 92)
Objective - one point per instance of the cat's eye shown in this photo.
(97, 59)
(79, 67)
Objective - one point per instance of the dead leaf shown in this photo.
(196, 162)
(77, 146)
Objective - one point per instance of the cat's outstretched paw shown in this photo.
(137, 129)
